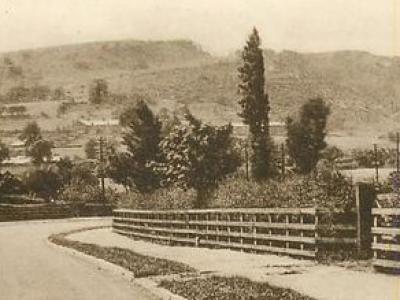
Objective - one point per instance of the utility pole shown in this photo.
(283, 162)
(246, 157)
(376, 164)
(397, 153)
(101, 168)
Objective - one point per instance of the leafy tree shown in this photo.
(332, 153)
(169, 120)
(64, 168)
(4, 152)
(142, 138)
(197, 156)
(58, 93)
(98, 91)
(118, 171)
(255, 108)
(9, 184)
(30, 134)
(83, 175)
(306, 136)
(44, 182)
(91, 149)
(40, 151)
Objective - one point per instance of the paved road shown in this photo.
(31, 269)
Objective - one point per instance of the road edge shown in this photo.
(146, 285)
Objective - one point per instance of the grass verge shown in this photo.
(139, 265)
(197, 288)
(229, 288)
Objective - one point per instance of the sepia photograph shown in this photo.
(200, 150)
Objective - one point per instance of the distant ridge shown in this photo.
(361, 88)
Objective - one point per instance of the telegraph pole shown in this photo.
(397, 153)
(283, 161)
(101, 167)
(376, 164)
(246, 157)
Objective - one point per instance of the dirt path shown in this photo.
(321, 282)
(31, 269)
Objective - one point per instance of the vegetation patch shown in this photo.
(139, 265)
(232, 288)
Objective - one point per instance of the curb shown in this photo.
(145, 285)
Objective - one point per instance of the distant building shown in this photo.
(276, 129)
(99, 122)
(17, 160)
(346, 163)
(17, 144)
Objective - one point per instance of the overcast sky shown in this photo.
(220, 26)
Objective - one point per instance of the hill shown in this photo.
(363, 89)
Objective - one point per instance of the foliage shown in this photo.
(4, 152)
(30, 134)
(141, 137)
(169, 121)
(36, 147)
(9, 184)
(164, 198)
(255, 108)
(21, 93)
(83, 175)
(51, 181)
(79, 183)
(306, 136)
(44, 182)
(64, 168)
(91, 149)
(197, 156)
(332, 153)
(330, 190)
(80, 193)
(98, 91)
(117, 169)
(367, 159)
(40, 151)
(229, 288)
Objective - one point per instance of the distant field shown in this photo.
(367, 174)
(350, 142)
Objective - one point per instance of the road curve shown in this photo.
(31, 269)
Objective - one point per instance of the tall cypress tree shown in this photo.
(255, 108)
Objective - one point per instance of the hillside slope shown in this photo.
(363, 89)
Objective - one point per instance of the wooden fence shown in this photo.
(386, 237)
(295, 232)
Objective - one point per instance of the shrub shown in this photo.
(332, 192)
(44, 182)
(167, 198)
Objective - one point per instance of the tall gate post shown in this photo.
(365, 197)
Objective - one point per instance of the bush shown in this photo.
(167, 198)
(332, 192)
(43, 182)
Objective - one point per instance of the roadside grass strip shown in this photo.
(139, 265)
(229, 288)
(192, 287)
